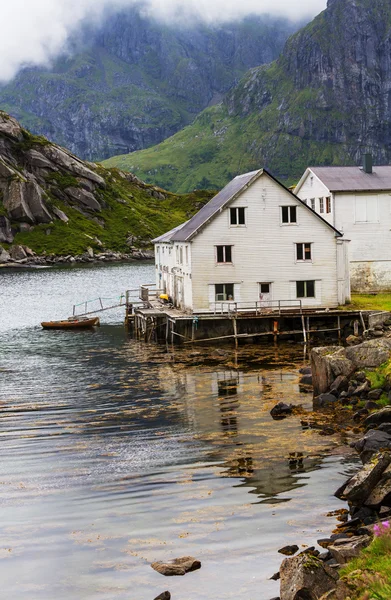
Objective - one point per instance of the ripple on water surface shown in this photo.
(116, 454)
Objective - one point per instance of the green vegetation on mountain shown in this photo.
(136, 81)
(324, 101)
(55, 203)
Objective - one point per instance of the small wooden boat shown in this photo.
(72, 323)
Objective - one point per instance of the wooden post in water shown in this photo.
(275, 332)
(235, 325)
(339, 328)
(304, 331)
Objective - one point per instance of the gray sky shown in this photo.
(35, 31)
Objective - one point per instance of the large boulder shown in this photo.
(179, 566)
(6, 234)
(70, 163)
(371, 353)
(371, 443)
(37, 159)
(306, 577)
(360, 486)
(23, 201)
(10, 126)
(379, 417)
(83, 197)
(327, 364)
(6, 171)
(344, 550)
(60, 214)
(17, 252)
(4, 255)
(34, 198)
(381, 494)
(15, 202)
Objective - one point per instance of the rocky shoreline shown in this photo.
(352, 403)
(19, 256)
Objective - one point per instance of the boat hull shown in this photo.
(71, 324)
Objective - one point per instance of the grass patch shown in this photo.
(381, 301)
(378, 377)
(369, 576)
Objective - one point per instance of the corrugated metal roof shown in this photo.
(217, 202)
(351, 179)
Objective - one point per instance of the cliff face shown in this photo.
(326, 100)
(55, 203)
(136, 81)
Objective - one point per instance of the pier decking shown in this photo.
(154, 321)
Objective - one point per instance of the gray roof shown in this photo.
(350, 179)
(166, 237)
(186, 232)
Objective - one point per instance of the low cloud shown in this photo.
(35, 31)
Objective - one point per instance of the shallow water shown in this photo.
(117, 453)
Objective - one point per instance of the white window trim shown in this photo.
(290, 224)
(219, 264)
(229, 218)
(303, 260)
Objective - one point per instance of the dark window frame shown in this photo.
(237, 216)
(303, 251)
(289, 215)
(226, 290)
(224, 254)
(305, 289)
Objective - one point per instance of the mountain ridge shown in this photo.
(135, 81)
(55, 205)
(325, 100)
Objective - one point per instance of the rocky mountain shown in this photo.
(136, 81)
(54, 204)
(326, 100)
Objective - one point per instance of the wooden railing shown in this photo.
(149, 292)
(260, 307)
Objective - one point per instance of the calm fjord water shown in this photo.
(117, 453)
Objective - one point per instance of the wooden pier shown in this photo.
(148, 319)
(235, 322)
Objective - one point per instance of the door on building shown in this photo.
(178, 291)
(265, 294)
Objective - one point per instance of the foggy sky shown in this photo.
(35, 31)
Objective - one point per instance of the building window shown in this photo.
(328, 204)
(367, 210)
(321, 205)
(181, 255)
(313, 203)
(187, 255)
(237, 216)
(305, 289)
(264, 288)
(289, 214)
(303, 252)
(224, 291)
(224, 254)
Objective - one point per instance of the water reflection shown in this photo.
(117, 453)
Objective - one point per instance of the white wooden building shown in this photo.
(357, 202)
(253, 242)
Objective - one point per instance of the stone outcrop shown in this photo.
(306, 577)
(345, 549)
(178, 566)
(327, 364)
(360, 486)
(6, 234)
(331, 364)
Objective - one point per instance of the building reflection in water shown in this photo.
(228, 410)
